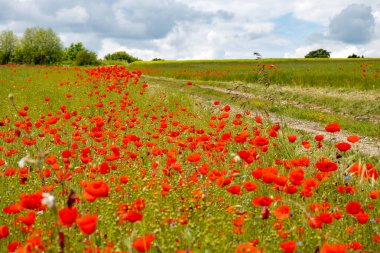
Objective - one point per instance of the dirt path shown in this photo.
(366, 145)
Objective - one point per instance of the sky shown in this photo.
(204, 29)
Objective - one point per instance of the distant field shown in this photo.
(360, 74)
(318, 90)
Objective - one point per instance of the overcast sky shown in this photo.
(204, 29)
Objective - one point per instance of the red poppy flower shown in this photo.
(288, 246)
(247, 247)
(374, 194)
(132, 216)
(333, 248)
(4, 231)
(355, 246)
(97, 189)
(28, 219)
(67, 216)
(353, 207)
(123, 179)
(282, 212)
(315, 222)
(362, 218)
(262, 201)
(143, 244)
(260, 141)
(326, 218)
(343, 146)
(291, 189)
(325, 165)
(292, 138)
(32, 201)
(353, 138)
(319, 137)
(13, 246)
(195, 157)
(250, 186)
(87, 223)
(22, 113)
(235, 189)
(333, 127)
(13, 208)
(297, 176)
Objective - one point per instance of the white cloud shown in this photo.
(77, 14)
(321, 11)
(182, 29)
(109, 46)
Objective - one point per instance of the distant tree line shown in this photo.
(323, 53)
(43, 46)
(120, 56)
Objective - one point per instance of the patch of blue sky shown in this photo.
(296, 30)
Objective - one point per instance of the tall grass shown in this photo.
(335, 73)
(156, 165)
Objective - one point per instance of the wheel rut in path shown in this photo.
(366, 145)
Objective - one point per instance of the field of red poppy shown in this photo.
(97, 160)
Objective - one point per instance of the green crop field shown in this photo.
(362, 74)
(318, 90)
(113, 160)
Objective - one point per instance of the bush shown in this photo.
(319, 53)
(121, 56)
(86, 57)
(355, 56)
(72, 51)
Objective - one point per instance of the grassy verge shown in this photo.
(358, 116)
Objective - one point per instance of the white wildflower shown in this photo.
(48, 200)
(22, 162)
(237, 158)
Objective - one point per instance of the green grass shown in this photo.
(331, 73)
(172, 121)
(359, 115)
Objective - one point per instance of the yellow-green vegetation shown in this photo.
(362, 74)
(100, 160)
(321, 90)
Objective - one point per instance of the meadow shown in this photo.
(362, 74)
(318, 90)
(111, 160)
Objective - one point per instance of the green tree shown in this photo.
(120, 56)
(319, 53)
(8, 44)
(355, 56)
(40, 46)
(72, 51)
(86, 57)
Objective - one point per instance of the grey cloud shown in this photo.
(154, 19)
(132, 19)
(355, 25)
(224, 14)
